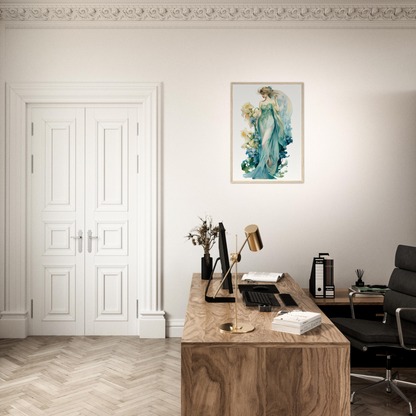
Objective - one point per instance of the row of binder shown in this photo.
(321, 282)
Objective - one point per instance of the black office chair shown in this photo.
(398, 329)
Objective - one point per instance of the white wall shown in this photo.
(358, 201)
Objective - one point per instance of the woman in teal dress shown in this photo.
(274, 136)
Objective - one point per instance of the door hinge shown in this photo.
(137, 308)
(138, 164)
(32, 164)
(138, 128)
(31, 308)
(32, 129)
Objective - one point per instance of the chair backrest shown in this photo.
(402, 285)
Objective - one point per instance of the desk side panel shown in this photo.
(325, 381)
(284, 381)
(205, 384)
(270, 381)
(223, 381)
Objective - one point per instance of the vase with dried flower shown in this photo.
(204, 235)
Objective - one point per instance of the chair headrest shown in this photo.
(403, 281)
(406, 258)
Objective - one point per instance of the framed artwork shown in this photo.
(267, 132)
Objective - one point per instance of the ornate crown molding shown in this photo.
(334, 13)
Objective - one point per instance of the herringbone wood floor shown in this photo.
(126, 376)
(91, 376)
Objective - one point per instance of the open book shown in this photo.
(262, 277)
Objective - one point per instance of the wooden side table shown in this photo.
(370, 308)
(342, 298)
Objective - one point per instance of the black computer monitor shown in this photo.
(225, 262)
(225, 265)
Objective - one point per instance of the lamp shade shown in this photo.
(254, 238)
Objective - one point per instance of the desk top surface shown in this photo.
(203, 318)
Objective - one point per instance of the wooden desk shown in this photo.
(265, 372)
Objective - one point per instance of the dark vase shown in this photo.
(206, 268)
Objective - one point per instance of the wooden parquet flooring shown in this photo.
(126, 376)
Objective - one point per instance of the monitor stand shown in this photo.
(217, 299)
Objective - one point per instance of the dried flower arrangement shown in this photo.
(204, 235)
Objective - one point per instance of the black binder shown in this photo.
(321, 282)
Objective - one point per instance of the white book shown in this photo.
(296, 318)
(296, 324)
(296, 330)
(263, 277)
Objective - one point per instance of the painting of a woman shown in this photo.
(267, 136)
(273, 126)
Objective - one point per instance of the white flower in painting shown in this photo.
(256, 113)
(246, 109)
(245, 133)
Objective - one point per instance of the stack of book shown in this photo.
(369, 291)
(296, 322)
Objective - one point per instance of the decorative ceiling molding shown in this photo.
(292, 13)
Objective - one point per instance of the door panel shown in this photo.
(112, 165)
(57, 205)
(112, 238)
(58, 241)
(112, 286)
(60, 299)
(60, 165)
(111, 216)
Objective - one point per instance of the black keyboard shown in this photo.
(258, 298)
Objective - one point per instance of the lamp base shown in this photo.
(243, 328)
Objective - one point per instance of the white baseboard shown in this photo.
(14, 324)
(152, 324)
(175, 328)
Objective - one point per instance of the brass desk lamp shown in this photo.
(255, 244)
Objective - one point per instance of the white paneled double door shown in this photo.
(83, 220)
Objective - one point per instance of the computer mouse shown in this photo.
(261, 288)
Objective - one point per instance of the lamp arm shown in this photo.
(232, 265)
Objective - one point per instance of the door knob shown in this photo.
(90, 237)
(79, 238)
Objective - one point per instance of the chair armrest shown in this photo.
(399, 327)
(352, 294)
